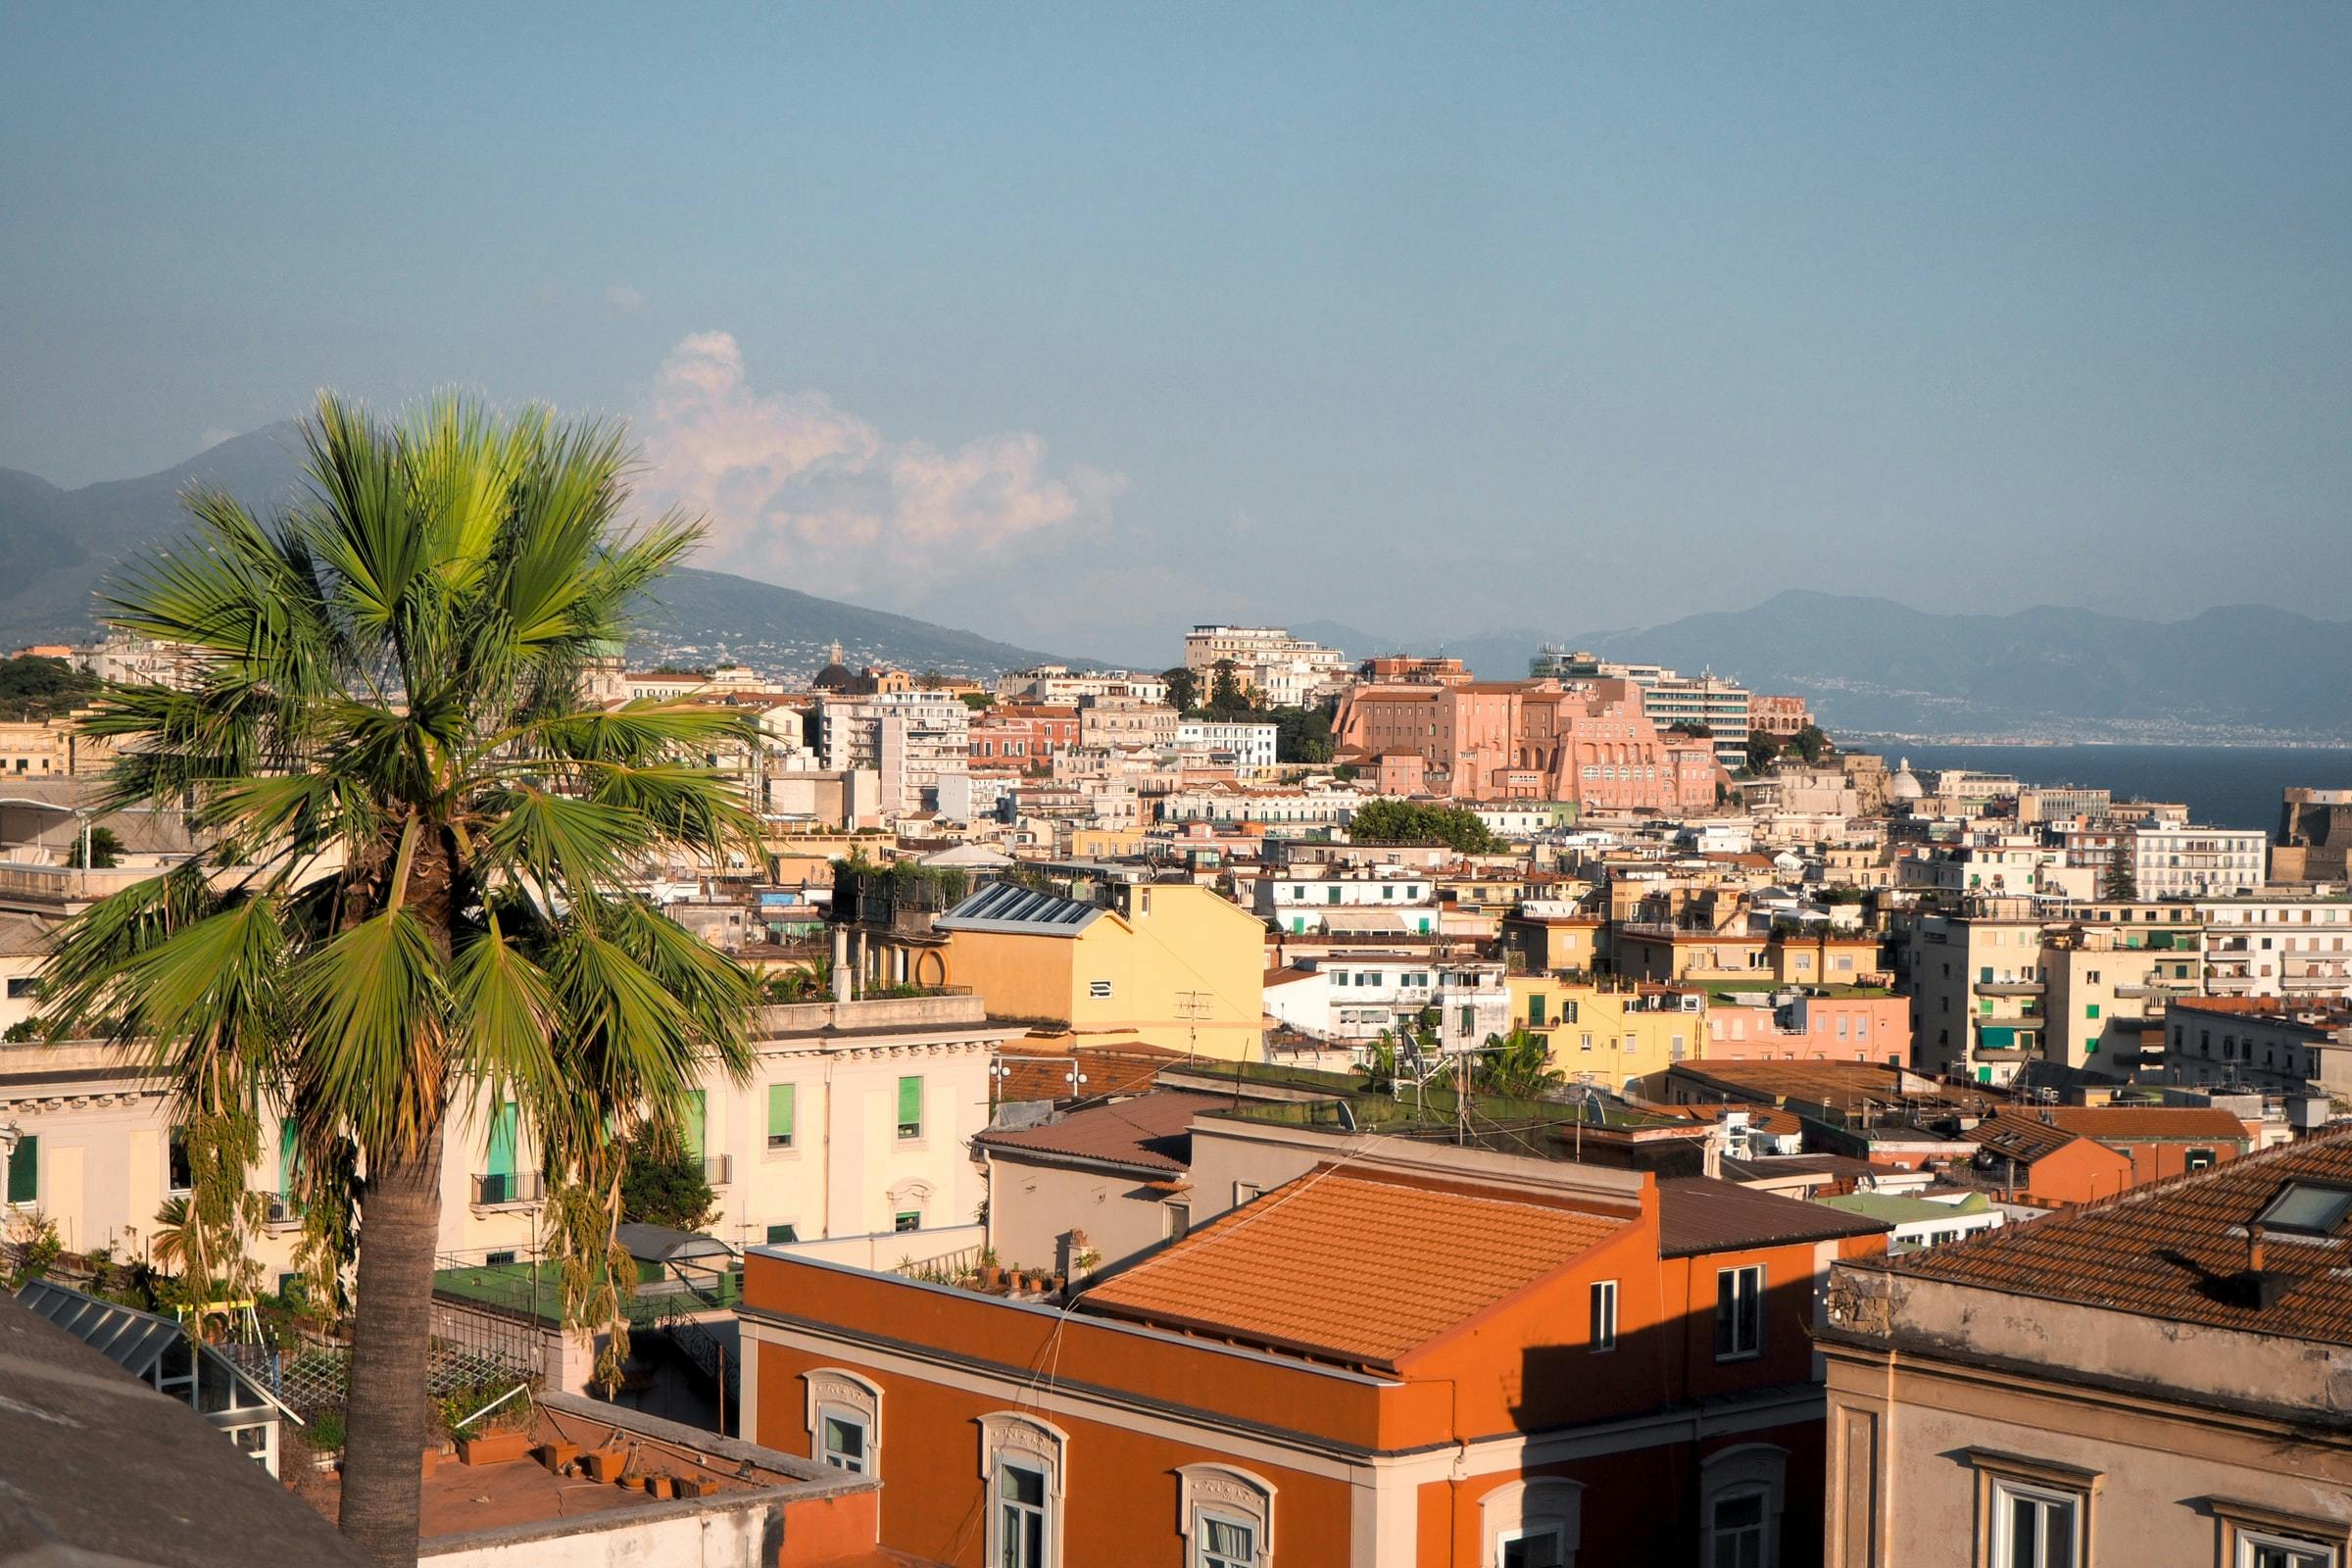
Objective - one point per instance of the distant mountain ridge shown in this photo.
(2237, 672)
(63, 544)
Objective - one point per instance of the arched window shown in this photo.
(1226, 1517)
(1740, 1492)
(1534, 1523)
(1022, 1464)
(845, 1420)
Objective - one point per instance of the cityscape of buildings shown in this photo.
(1347, 1107)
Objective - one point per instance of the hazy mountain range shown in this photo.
(60, 545)
(2241, 672)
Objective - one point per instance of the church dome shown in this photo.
(1905, 785)
(836, 676)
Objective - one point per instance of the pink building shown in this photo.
(1589, 742)
(1813, 1029)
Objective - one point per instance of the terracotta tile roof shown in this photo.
(1285, 977)
(2024, 1137)
(1042, 1072)
(2136, 1122)
(1349, 1268)
(1151, 1132)
(2177, 1251)
(1702, 1215)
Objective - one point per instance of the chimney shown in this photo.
(2254, 1248)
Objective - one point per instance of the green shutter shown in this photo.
(289, 1158)
(694, 1125)
(2090, 1010)
(779, 1114)
(24, 1172)
(503, 1126)
(1534, 1011)
(911, 1103)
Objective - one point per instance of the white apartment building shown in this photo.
(1330, 900)
(1358, 996)
(851, 1133)
(1251, 745)
(2294, 948)
(1295, 811)
(912, 739)
(1288, 671)
(2173, 861)
(1668, 698)
(1061, 686)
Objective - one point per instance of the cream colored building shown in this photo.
(852, 1132)
(2146, 1383)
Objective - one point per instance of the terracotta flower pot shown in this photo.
(661, 1485)
(431, 1462)
(555, 1455)
(688, 1487)
(495, 1448)
(603, 1464)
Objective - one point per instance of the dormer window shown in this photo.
(2307, 1208)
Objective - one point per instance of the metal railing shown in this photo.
(509, 1187)
(718, 1169)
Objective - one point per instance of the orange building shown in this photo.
(1390, 1353)
(2064, 1154)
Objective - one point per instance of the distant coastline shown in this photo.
(2223, 786)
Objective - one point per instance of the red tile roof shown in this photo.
(1044, 1072)
(2177, 1251)
(2030, 1133)
(1151, 1132)
(1349, 1268)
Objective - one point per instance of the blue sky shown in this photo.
(1073, 324)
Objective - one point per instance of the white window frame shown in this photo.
(1528, 1509)
(838, 1392)
(1759, 1469)
(2248, 1527)
(1601, 1321)
(1222, 1491)
(2007, 1495)
(2250, 1543)
(1040, 1446)
(2003, 1477)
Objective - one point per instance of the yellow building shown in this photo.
(1609, 1037)
(1171, 963)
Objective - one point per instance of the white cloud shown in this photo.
(623, 300)
(800, 492)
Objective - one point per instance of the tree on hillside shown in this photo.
(1690, 727)
(1416, 822)
(1762, 751)
(431, 835)
(33, 687)
(1811, 743)
(1184, 688)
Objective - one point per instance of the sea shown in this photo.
(2223, 786)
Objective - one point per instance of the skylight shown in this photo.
(2307, 1208)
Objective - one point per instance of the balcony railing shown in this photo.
(718, 1169)
(2008, 988)
(510, 1187)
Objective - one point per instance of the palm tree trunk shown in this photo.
(400, 1219)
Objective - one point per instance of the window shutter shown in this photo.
(1726, 1304)
(779, 1111)
(24, 1170)
(911, 1101)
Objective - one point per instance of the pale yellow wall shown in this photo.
(1186, 973)
(1611, 1043)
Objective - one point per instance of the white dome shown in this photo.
(1904, 786)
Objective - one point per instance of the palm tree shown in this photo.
(1519, 1065)
(413, 897)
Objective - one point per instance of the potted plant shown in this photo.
(487, 1435)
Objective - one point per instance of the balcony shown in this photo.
(718, 1169)
(2008, 988)
(508, 1189)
